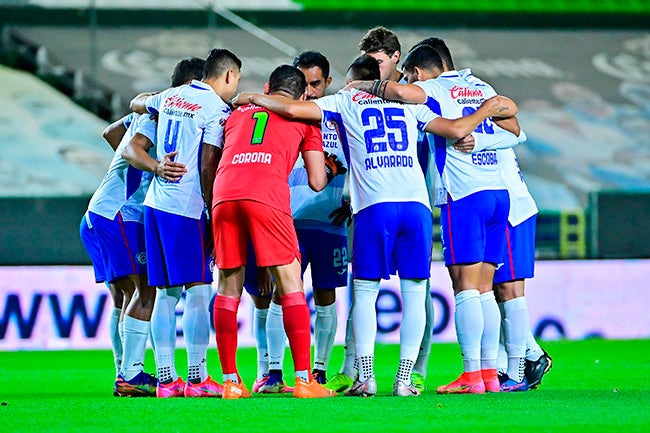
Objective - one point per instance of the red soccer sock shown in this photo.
(296, 324)
(225, 327)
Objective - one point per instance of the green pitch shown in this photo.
(594, 386)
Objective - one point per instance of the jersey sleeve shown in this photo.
(329, 104)
(213, 132)
(423, 114)
(313, 139)
(128, 120)
(147, 127)
(153, 102)
(501, 139)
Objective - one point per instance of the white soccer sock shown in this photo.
(468, 319)
(502, 356)
(259, 331)
(163, 330)
(116, 340)
(517, 327)
(276, 337)
(422, 361)
(136, 333)
(491, 330)
(196, 329)
(364, 324)
(349, 367)
(324, 333)
(413, 318)
(533, 350)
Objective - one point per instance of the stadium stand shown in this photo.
(583, 94)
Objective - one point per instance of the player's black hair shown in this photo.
(424, 57)
(309, 59)
(440, 47)
(364, 67)
(288, 79)
(380, 39)
(219, 61)
(186, 70)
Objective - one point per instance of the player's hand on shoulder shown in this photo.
(170, 170)
(242, 98)
(333, 167)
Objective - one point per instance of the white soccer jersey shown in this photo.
(522, 204)
(311, 209)
(379, 140)
(124, 186)
(461, 174)
(189, 116)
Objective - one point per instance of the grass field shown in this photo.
(594, 386)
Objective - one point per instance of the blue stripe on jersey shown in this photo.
(133, 179)
(338, 121)
(423, 153)
(194, 86)
(439, 143)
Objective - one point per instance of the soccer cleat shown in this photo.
(173, 389)
(491, 380)
(339, 382)
(274, 385)
(142, 385)
(403, 389)
(467, 383)
(418, 381)
(319, 376)
(207, 388)
(535, 370)
(311, 389)
(367, 388)
(510, 385)
(232, 390)
(259, 383)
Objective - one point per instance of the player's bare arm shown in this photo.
(210, 157)
(510, 124)
(114, 132)
(315, 166)
(287, 107)
(458, 128)
(136, 154)
(137, 104)
(385, 89)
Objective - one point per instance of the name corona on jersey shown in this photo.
(389, 161)
(485, 158)
(252, 157)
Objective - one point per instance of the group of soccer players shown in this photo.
(261, 189)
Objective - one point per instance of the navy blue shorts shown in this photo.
(91, 244)
(178, 249)
(327, 253)
(519, 259)
(474, 228)
(122, 244)
(394, 237)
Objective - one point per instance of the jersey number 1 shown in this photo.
(261, 119)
